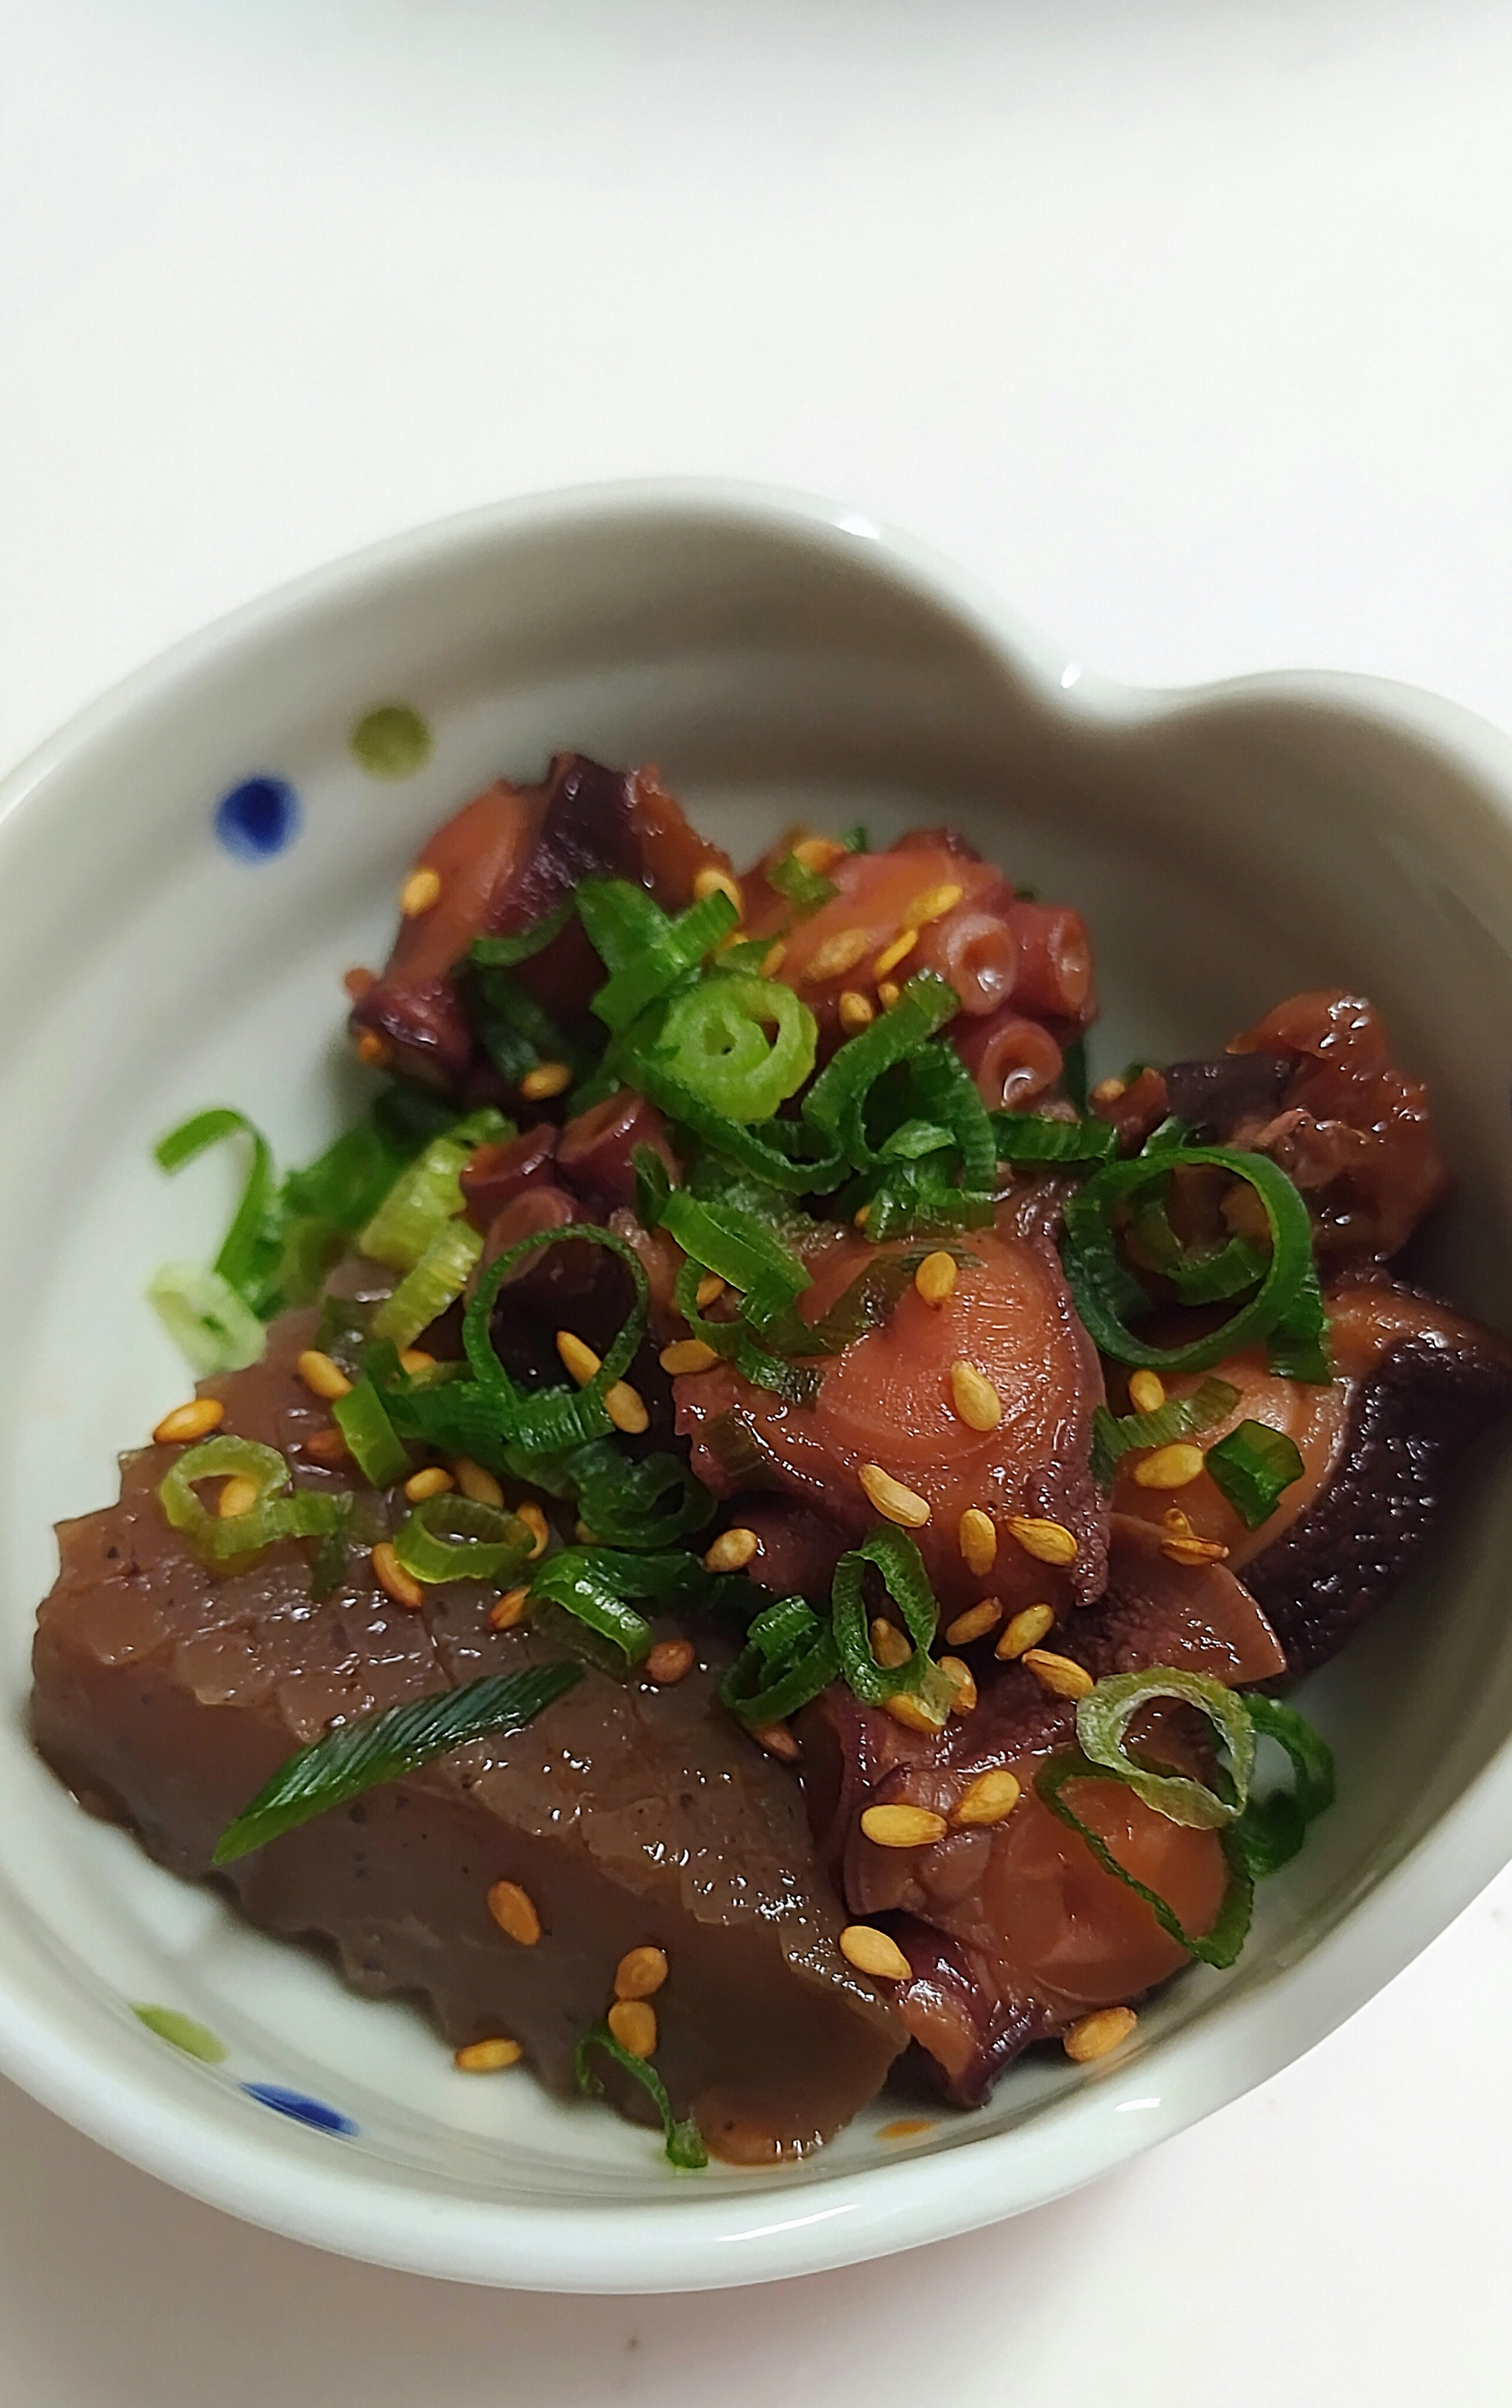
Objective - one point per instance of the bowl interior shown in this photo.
(1226, 851)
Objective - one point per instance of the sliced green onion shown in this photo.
(622, 921)
(208, 1321)
(653, 1185)
(384, 1747)
(427, 1194)
(807, 889)
(1072, 1056)
(1297, 1347)
(741, 1045)
(835, 1103)
(656, 969)
(1179, 1417)
(594, 1585)
(1271, 1831)
(893, 1554)
(645, 1505)
(372, 1440)
(773, 1153)
(1253, 1466)
(857, 839)
(1034, 1136)
(407, 1116)
(1220, 1946)
(789, 1656)
(684, 2142)
(1105, 1292)
(437, 1281)
(508, 952)
(725, 1238)
(243, 1261)
(274, 1515)
(451, 1538)
(1103, 1717)
(915, 1202)
(944, 1090)
(552, 1419)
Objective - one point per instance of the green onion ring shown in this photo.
(1104, 1290)
(232, 1544)
(893, 1554)
(482, 1543)
(1220, 1946)
(1103, 1719)
(555, 1418)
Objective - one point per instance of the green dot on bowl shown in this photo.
(182, 2031)
(391, 742)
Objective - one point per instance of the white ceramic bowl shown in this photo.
(778, 658)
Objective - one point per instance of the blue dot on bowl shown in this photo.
(258, 818)
(313, 2112)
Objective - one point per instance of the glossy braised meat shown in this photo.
(166, 1697)
(1313, 1085)
(511, 858)
(887, 1402)
(1022, 970)
(1382, 1448)
(1015, 1932)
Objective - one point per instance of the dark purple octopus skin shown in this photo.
(1413, 1419)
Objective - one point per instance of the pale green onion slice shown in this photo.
(1103, 1719)
(474, 1541)
(208, 1321)
(437, 1281)
(272, 1515)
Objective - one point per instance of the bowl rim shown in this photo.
(274, 2175)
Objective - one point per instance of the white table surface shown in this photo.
(1186, 322)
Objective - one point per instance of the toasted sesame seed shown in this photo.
(513, 1910)
(888, 991)
(936, 1276)
(776, 1740)
(633, 2022)
(416, 1359)
(1097, 2035)
(872, 1951)
(357, 981)
(394, 1580)
(933, 905)
(420, 893)
(709, 1287)
(476, 1482)
(547, 1078)
(855, 1010)
(975, 1623)
(640, 1972)
(196, 1419)
(669, 1661)
(488, 2055)
(578, 1360)
(538, 1527)
(1107, 1091)
(687, 1355)
(820, 853)
(626, 1408)
(510, 1609)
(860, 1216)
(326, 1445)
(323, 1377)
(1048, 1542)
(1147, 1391)
(1058, 1674)
(433, 1482)
(1025, 1630)
(964, 1682)
(903, 1827)
(584, 1536)
(1169, 1466)
(718, 881)
(1193, 1553)
(238, 1494)
(374, 1049)
(913, 1713)
(773, 959)
(974, 1397)
(890, 1645)
(890, 955)
(732, 1550)
(836, 954)
(895, 1502)
(978, 1536)
(991, 1798)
